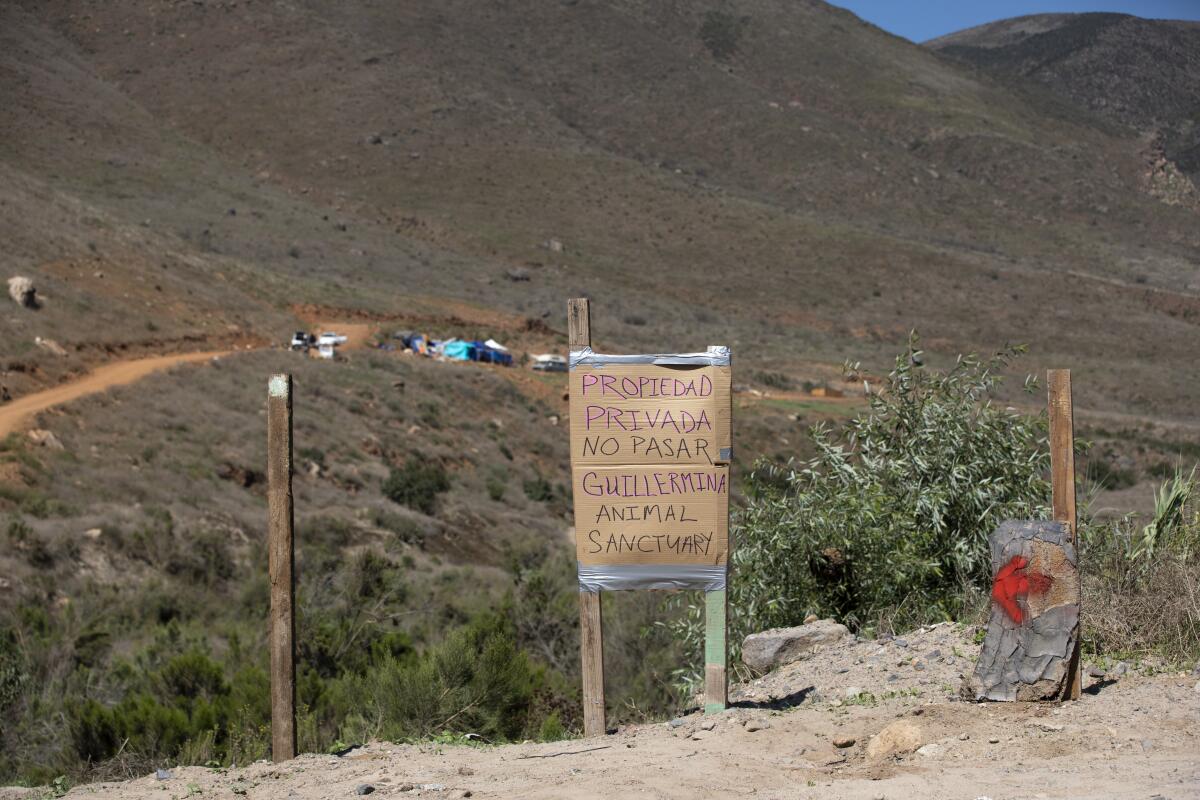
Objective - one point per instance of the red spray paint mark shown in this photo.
(1012, 582)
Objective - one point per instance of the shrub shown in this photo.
(417, 484)
(721, 32)
(774, 380)
(538, 489)
(1108, 475)
(1140, 590)
(474, 681)
(890, 520)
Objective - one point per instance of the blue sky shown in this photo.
(924, 19)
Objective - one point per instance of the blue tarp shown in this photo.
(490, 355)
(459, 350)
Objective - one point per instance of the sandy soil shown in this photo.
(15, 414)
(1135, 736)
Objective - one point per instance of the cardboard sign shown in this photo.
(649, 414)
(650, 447)
(651, 515)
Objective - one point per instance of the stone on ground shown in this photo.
(899, 737)
(772, 648)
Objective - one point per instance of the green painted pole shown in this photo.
(716, 655)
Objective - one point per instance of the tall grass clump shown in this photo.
(1141, 583)
(888, 523)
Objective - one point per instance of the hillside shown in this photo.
(424, 151)
(206, 176)
(1142, 73)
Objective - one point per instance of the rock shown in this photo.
(994, 740)
(364, 788)
(900, 642)
(708, 725)
(93, 533)
(23, 292)
(854, 691)
(757, 725)
(900, 736)
(1095, 672)
(675, 723)
(163, 775)
(1196, 688)
(1049, 727)
(844, 741)
(51, 346)
(553, 245)
(962, 737)
(772, 648)
(929, 750)
(1120, 669)
(47, 439)
(517, 274)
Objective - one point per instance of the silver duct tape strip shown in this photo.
(615, 577)
(715, 356)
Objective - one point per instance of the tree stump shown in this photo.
(1034, 623)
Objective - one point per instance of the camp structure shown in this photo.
(549, 362)
(489, 352)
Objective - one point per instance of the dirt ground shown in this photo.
(1132, 735)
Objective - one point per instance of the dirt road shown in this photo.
(17, 413)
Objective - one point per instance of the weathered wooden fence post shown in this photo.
(591, 631)
(1062, 477)
(281, 558)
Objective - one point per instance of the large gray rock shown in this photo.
(769, 649)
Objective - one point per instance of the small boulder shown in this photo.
(23, 292)
(901, 736)
(47, 439)
(844, 741)
(50, 346)
(772, 648)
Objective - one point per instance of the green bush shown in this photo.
(889, 522)
(774, 380)
(1107, 475)
(721, 32)
(538, 489)
(475, 681)
(417, 484)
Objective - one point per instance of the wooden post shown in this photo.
(591, 630)
(281, 556)
(1062, 477)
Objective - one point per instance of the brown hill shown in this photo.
(1143, 73)
(781, 176)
